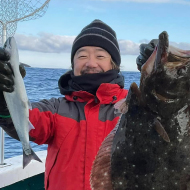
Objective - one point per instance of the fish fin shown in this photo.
(23, 104)
(162, 49)
(134, 95)
(121, 106)
(30, 126)
(160, 130)
(28, 158)
(29, 105)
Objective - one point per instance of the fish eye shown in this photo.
(182, 70)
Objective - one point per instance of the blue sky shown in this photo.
(46, 42)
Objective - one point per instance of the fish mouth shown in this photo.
(8, 43)
(164, 98)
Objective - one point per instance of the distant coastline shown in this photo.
(24, 64)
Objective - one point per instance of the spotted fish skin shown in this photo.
(144, 160)
(150, 146)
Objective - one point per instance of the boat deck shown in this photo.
(13, 176)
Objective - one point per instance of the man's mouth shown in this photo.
(91, 71)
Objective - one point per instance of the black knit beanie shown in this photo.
(99, 34)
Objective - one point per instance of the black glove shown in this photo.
(145, 52)
(6, 79)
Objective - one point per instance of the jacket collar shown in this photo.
(106, 93)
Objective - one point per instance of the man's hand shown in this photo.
(145, 52)
(6, 79)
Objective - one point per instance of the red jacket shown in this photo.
(74, 127)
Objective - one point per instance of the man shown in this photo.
(74, 126)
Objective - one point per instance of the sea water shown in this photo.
(41, 84)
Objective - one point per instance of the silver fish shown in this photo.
(18, 104)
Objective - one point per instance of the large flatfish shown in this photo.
(149, 149)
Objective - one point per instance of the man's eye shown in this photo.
(100, 56)
(82, 56)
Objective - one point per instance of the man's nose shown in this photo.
(91, 62)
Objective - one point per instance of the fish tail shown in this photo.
(28, 158)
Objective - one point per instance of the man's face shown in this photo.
(90, 59)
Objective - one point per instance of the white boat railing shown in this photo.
(2, 146)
